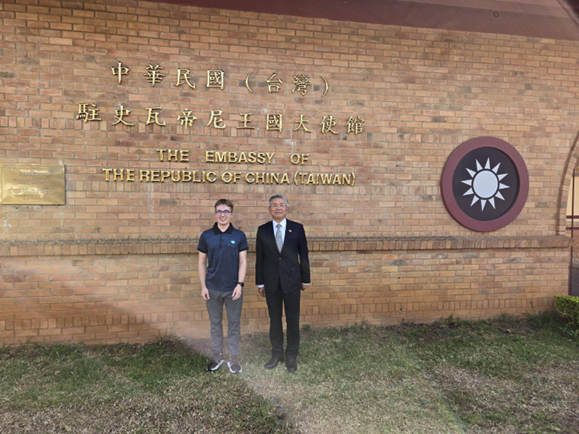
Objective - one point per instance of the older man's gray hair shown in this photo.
(278, 196)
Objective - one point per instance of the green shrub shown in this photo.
(569, 307)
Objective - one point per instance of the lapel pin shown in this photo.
(289, 230)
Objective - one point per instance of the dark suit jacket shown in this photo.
(291, 267)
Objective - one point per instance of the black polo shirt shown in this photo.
(222, 249)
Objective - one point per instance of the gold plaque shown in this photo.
(32, 184)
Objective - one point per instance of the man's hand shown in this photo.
(261, 291)
(305, 285)
(237, 292)
(205, 293)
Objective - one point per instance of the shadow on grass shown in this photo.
(160, 387)
(504, 375)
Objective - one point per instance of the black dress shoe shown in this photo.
(273, 362)
(292, 365)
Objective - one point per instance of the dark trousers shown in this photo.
(291, 304)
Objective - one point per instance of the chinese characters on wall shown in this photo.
(89, 112)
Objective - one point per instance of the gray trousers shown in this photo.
(233, 308)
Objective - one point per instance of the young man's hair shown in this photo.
(278, 196)
(225, 202)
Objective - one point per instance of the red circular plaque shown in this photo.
(485, 184)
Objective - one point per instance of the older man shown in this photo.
(282, 272)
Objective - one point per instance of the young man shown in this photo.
(282, 271)
(222, 267)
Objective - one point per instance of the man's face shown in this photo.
(278, 209)
(223, 214)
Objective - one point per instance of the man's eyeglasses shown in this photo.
(224, 212)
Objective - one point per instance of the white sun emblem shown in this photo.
(485, 184)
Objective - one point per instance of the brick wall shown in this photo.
(119, 298)
(94, 270)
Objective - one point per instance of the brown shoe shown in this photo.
(234, 365)
(215, 363)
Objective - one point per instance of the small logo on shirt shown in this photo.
(232, 241)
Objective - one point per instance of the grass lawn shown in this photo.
(505, 376)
